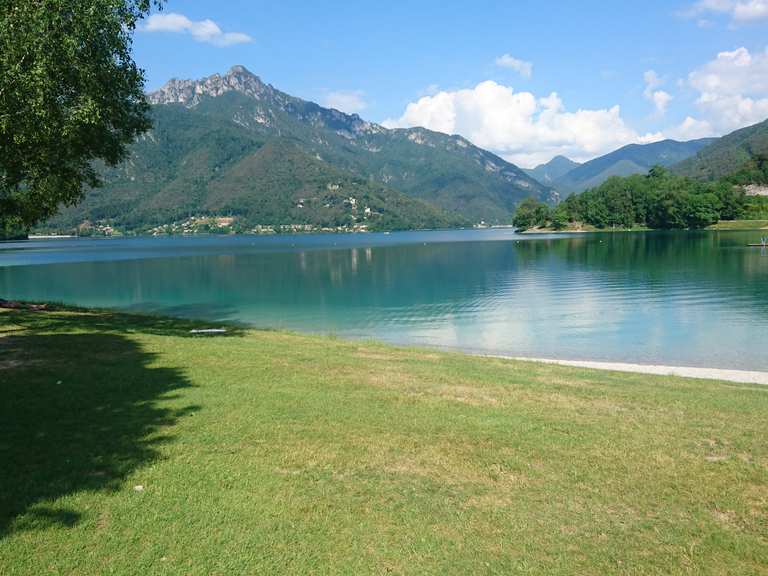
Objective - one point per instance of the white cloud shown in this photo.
(660, 98)
(733, 89)
(349, 101)
(732, 93)
(753, 10)
(430, 90)
(739, 10)
(522, 67)
(690, 129)
(519, 126)
(201, 30)
(736, 72)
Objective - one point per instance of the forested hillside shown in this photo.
(659, 200)
(743, 153)
(628, 160)
(234, 146)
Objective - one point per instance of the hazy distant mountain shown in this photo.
(728, 154)
(631, 159)
(556, 168)
(233, 145)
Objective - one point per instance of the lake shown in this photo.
(683, 298)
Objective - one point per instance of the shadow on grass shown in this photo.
(78, 411)
(58, 318)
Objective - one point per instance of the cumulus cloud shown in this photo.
(430, 90)
(738, 10)
(690, 129)
(206, 31)
(519, 126)
(522, 67)
(660, 98)
(732, 93)
(349, 101)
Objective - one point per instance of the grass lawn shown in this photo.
(740, 225)
(129, 446)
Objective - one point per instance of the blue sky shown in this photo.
(488, 69)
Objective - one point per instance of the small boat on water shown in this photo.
(763, 243)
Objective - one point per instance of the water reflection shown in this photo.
(685, 298)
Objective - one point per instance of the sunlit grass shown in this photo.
(740, 225)
(129, 446)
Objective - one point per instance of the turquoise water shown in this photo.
(686, 298)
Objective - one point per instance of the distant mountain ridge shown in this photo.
(732, 153)
(628, 160)
(549, 172)
(209, 133)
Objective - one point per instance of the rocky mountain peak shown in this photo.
(190, 92)
(239, 70)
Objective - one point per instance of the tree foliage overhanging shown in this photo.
(659, 200)
(70, 94)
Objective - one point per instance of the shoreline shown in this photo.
(723, 226)
(695, 372)
(722, 374)
(744, 225)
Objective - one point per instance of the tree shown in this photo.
(732, 200)
(702, 210)
(559, 217)
(530, 213)
(70, 96)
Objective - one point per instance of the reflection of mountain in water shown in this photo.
(636, 295)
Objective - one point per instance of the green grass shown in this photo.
(740, 225)
(270, 452)
(582, 227)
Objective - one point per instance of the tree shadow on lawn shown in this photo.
(58, 318)
(78, 412)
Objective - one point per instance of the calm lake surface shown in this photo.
(685, 298)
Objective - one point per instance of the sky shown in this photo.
(526, 80)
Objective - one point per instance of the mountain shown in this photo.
(192, 164)
(556, 168)
(233, 145)
(631, 159)
(729, 154)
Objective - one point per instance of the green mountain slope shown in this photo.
(631, 159)
(732, 153)
(313, 193)
(556, 168)
(208, 154)
(192, 164)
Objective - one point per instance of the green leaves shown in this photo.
(531, 213)
(70, 94)
(658, 200)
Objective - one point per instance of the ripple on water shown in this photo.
(662, 298)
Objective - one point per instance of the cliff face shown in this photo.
(190, 92)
